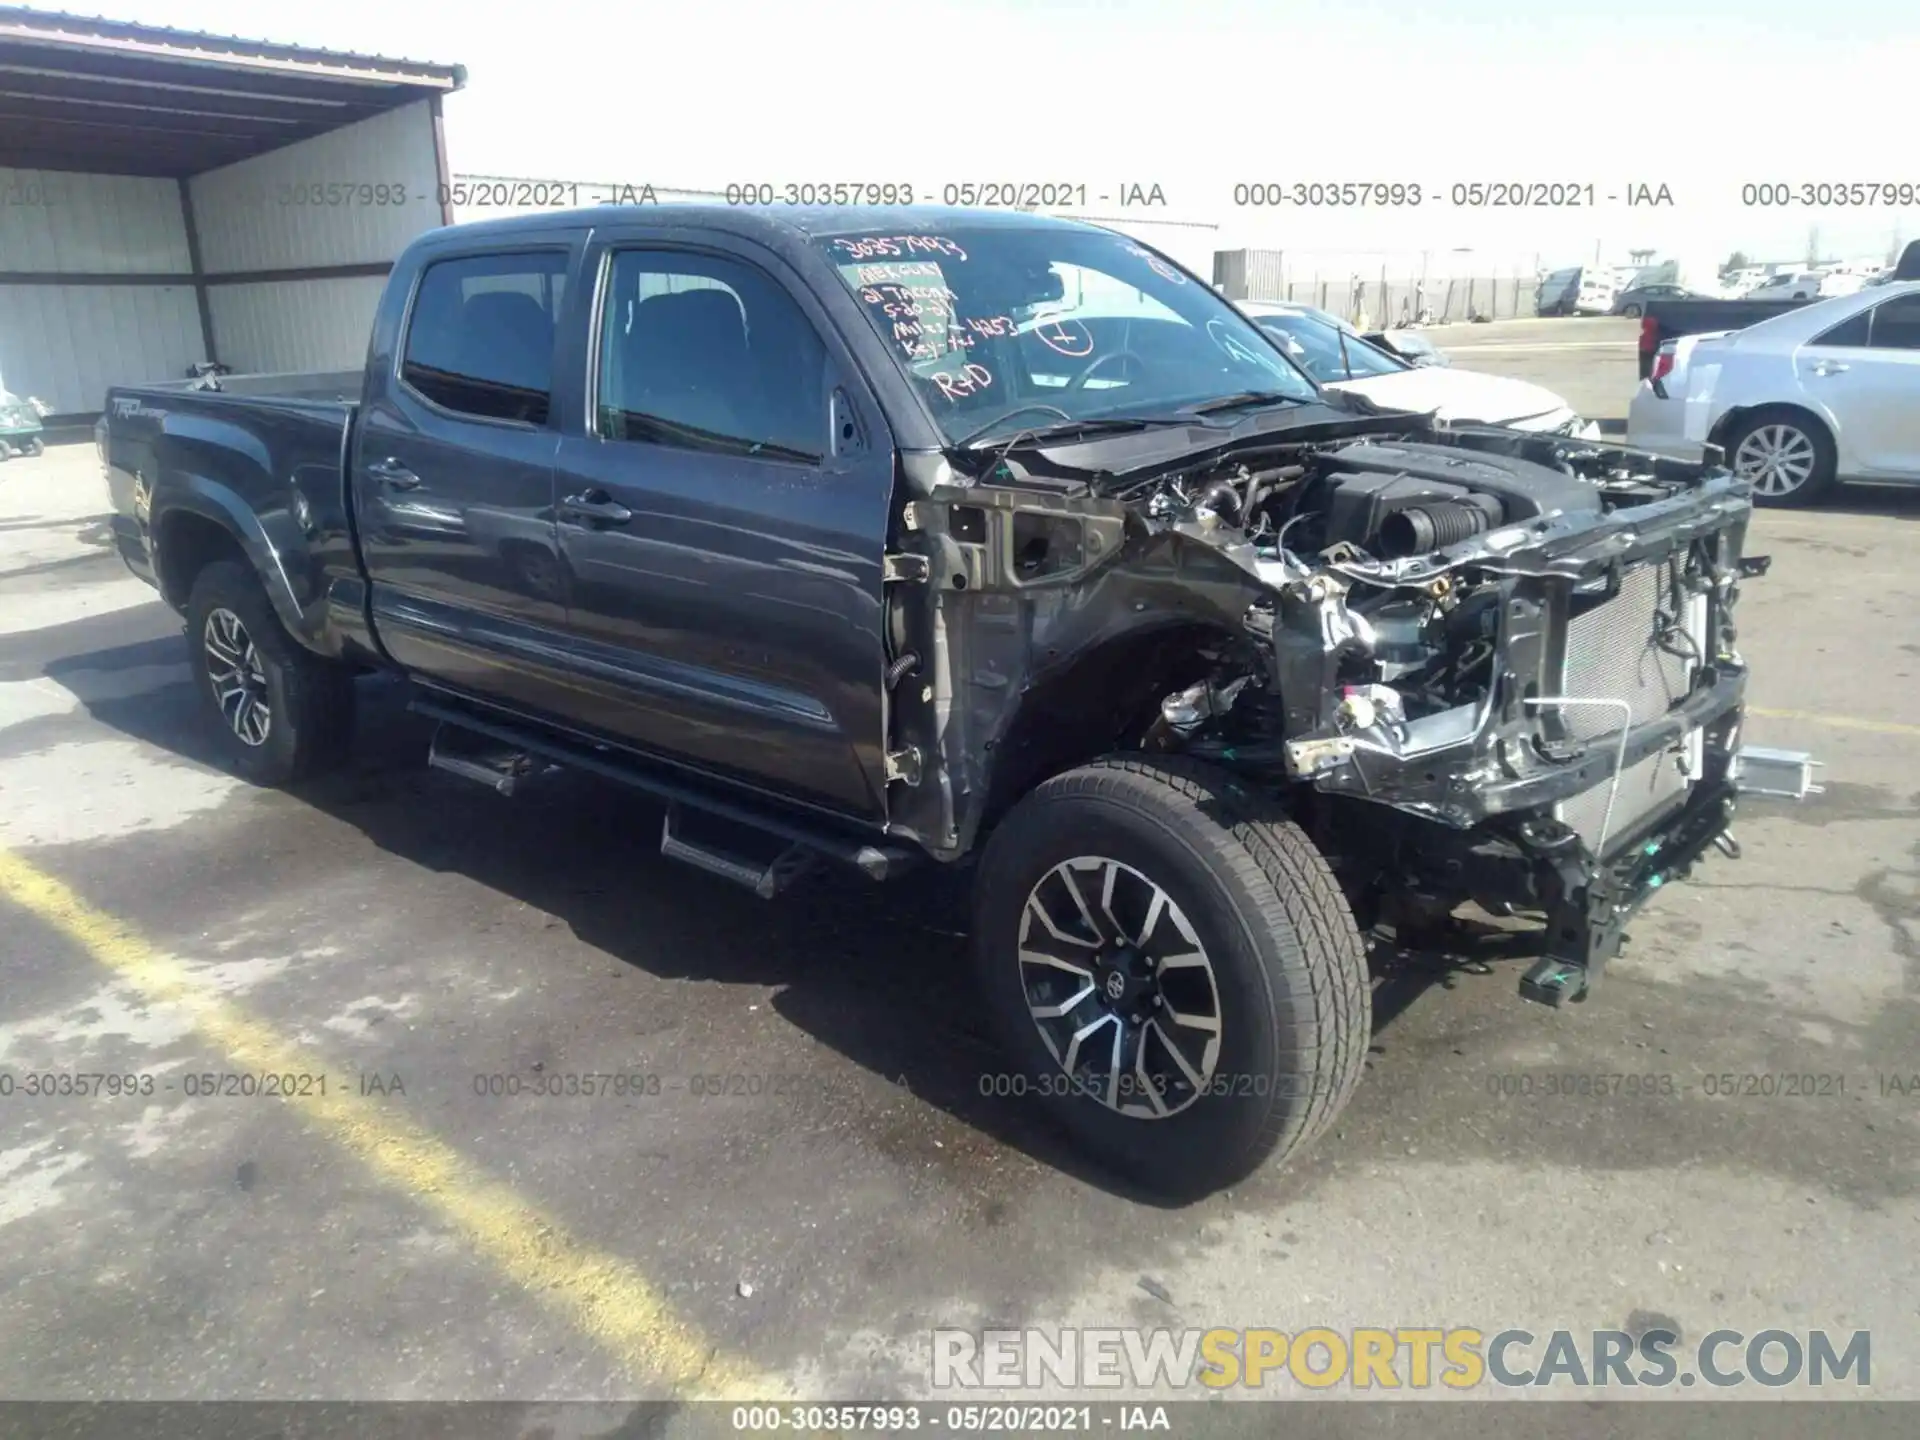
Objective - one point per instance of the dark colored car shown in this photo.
(1633, 303)
(867, 537)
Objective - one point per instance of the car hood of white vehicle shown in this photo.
(1462, 395)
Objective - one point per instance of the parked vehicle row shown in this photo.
(863, 537)
(1825, 392)
(1665, 320)
(1577, 290)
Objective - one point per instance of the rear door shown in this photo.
(723, 523)
(453, 474)
(1866, 371)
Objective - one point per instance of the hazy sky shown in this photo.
(1194, 95)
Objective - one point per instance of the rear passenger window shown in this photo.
(1896, 324)
(1851, 331)
(480, 340)
(707, 353)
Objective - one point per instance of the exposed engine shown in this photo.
(1403, 575)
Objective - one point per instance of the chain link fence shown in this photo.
(1376, 301)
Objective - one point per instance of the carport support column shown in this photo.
(199, 271)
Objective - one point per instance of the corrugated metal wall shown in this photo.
(276, 212)
(121, 224)
(267, 214)
(287, 325)
(66, 343)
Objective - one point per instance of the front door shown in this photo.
(723, 527)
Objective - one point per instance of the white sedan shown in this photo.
(1827, 392)
(1341, 360)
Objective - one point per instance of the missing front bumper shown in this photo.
(1593, 900)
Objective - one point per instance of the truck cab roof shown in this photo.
(766, 223)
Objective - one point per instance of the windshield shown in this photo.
(1316, 348)
(1046, 325)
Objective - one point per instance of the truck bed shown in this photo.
(1669, 319)
(262, 459)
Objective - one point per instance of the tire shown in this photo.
(290, 714)
(1282, 965)
(1632, 312)
(6, 452)
(1791, 435)
(35, 447)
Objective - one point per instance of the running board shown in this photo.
(470, 756)
(766, 879)
(498, 766)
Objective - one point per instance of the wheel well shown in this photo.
(184, 545)
(1724, 427)
(1103, 701)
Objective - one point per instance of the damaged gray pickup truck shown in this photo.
(879, 536)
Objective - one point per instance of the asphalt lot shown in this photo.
(422, 1239)
(1593, 362)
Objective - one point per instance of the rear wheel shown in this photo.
(35, 446)
(1632, 312)
(6, 451)
(282, 713)
(1787, 455)
(1173, 970)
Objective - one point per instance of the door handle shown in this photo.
(596, 506)
(1829, 367)
(393, 474)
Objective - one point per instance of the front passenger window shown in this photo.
(708, 353)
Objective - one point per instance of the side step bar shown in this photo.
(766, 880)
(498, 766)
(518, 754)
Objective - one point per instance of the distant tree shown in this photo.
(1736, 261)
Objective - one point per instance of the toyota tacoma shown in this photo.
(876, 537)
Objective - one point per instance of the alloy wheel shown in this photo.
(1777, 458)
(239, 681)
(1120, 987)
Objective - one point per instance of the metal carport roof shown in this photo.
(111, 97)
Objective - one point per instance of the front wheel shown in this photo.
(1173, 970)
(35, 446)
(6, 451)
(282, 713)
(1632, 312)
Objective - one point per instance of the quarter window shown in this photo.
(480, 340)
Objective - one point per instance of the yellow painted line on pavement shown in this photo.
(598, 1293)
(1838, 722)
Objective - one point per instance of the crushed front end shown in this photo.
(1504, 668)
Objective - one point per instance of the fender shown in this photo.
(222, 473)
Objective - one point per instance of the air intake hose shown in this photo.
(1421, 528)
